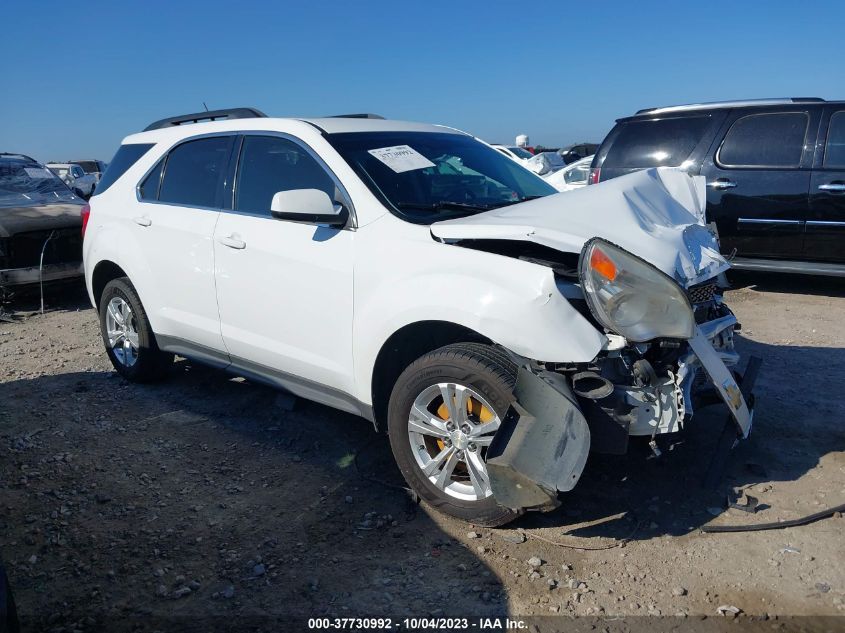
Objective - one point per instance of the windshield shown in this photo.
(24, 184)
(520, 152)
(428, 176)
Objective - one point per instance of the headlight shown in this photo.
(631, 297)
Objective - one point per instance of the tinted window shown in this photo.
(834, 153)
(193, 174)
(149, 188)
(271, 164)
(655, 142)
(765, 140)
(89, 166)
(126, 156)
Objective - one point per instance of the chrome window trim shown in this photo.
(718, 160)
(825, 223)
(767, 221)
(352, 224)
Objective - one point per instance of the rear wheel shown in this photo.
(444, 411)
(128, 336)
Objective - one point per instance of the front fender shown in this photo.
(511, 302)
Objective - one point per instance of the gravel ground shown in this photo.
(208, 496)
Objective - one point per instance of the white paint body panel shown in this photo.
(285, 299)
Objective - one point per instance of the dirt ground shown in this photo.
(208, 498)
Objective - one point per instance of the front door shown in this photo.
(758, 180)
(284, 288)
(825, 236)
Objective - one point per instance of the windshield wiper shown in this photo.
(444, 204)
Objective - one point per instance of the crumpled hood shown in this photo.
(19, 219)
(656, 214)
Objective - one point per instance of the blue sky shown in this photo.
(78, 77)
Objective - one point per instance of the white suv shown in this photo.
(415, 276)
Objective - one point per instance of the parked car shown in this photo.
(74, 177)
(545, 163)
(577, 151)
(92, 167)
(412, 275)
(775, 173)
(40, 224)
(518, 154)
(573, 176)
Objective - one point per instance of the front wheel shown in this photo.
(444, 411)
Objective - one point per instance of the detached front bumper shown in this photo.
(722, 378)
(34, 274)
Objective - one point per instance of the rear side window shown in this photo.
(655, 142)
(270, 164)
(193, 174)
(126, 156)
(765, 140)
(834, 153)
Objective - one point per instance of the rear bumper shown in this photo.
(34, 274)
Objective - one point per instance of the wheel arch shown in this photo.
(104, 272)
(403, 347)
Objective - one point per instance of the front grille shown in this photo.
(64, 247)
(702, 293)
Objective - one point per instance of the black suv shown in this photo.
(775, 171)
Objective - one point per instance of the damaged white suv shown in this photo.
(413, 275)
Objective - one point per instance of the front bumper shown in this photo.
(542, 445)
(34, 274)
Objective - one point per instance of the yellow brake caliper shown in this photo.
(474, 407)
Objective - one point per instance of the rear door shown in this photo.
(178, 207)
(825, 234)
(758, 181)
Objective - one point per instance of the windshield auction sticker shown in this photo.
(401, 158)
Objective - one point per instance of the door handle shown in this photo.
(722, 183)
(837, 187)
(142, 221)
(232, 241)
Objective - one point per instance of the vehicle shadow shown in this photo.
(640, 496)
(262, 505)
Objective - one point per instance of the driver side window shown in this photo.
(269, 164)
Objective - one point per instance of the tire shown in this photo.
(139, 359)
(487, 375)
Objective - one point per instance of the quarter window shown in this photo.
(149, 188)
(269, 164)
(194, 172)
(656, 142)
(834, 153)
(765, 140)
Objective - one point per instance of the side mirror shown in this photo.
(311, 206)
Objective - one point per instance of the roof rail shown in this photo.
(731, 104)
(365, 115)
(17, 154)
(211, 115)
